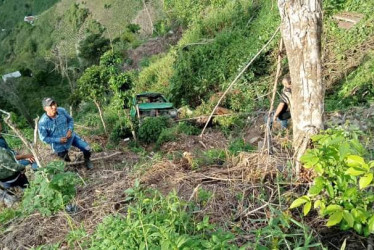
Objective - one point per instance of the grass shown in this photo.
(355, 89)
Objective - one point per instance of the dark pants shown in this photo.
(18, 180)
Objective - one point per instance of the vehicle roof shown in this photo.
(155, 105)
(149, 94)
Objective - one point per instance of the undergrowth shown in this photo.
(51, 190)
(154, 221)
(342, 190)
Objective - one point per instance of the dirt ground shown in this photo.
(247, 175)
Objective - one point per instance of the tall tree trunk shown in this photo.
(301, 30)
(101, 115)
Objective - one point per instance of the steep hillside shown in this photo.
(167, 187)
(63, 24)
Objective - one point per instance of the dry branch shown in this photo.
(94, 159)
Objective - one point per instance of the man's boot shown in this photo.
(64, 156)
(88, 164)
(87, 161)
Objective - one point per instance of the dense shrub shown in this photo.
(92, 47)
(151, 128)
(120, 130)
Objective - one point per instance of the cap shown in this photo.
(47, 101)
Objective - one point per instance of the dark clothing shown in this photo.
(24, 162)
(285, 114)
(17, 180)
(4, 144)
(9, 166)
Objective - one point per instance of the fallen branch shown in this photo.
(256, 209)
(81, 126)
(93, 159)
(218, 179)
(23, 139)
(237, 78)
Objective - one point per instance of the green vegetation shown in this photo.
(50, 191)
(171, 134)
(356, 89)
(157, 222)
(77, 53)
(151, 128)
(239, 145)
(340, 190)
(212, 51)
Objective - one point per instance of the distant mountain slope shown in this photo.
(61, 23)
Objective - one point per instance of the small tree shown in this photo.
(92, 86)
(92, 47)
(119, 83)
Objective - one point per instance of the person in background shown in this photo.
(56, 127)
(282, 113)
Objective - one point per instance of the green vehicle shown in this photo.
(151, 105)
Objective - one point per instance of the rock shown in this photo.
(254, 139)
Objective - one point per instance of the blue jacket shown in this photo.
(52, 129)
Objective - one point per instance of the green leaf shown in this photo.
(333, 208)
(348, 217)
(371, 224)
(371, 164)
(366, 180)
(335, 218)
(318, 186)
(317, 204)
(355, 161)
(350, 193)
(330, 189)
(319, 168)
(300, 201)
(358, 214)
(307, 207)
(344, 150)
(309, 159)
(355, 171)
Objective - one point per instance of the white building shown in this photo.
(15, 74)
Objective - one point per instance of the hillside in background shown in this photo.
(37, 50)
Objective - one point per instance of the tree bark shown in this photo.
(101, 116)
(301, 30)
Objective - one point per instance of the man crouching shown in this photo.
(56, 127)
